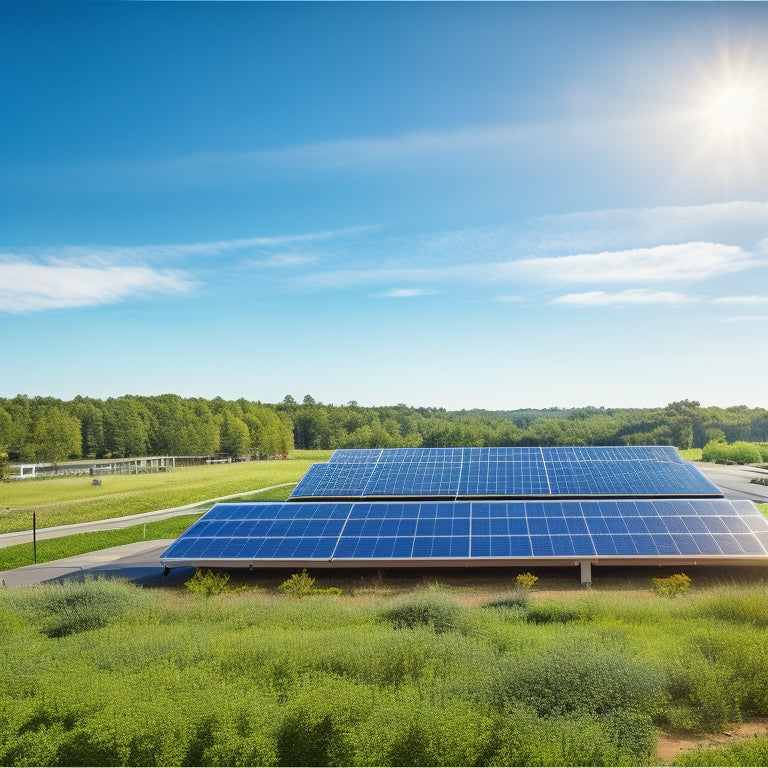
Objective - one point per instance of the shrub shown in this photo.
(429, 609)
(701, 694)
(526, 738)
(64, 609)
(318, 722)
(209, 583)
(744, 607)
(552, 612)
(672, 586)
(752, 752)
(739, 452)
(526, 580)
(517, 601)
(408, 729)
(303, 585)
(579, 677)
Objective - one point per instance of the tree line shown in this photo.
(48, 429)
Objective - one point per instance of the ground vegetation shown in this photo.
(105, 673)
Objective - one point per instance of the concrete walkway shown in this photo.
(138, 562)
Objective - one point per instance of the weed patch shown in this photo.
(429, 609)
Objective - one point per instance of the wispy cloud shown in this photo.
(285, 260)
(634, 296)
(169, 251)
(646, 248)
(509, 298)
(26, 287)
(406, 293)
(663, 263)
(746, 319)
(741, 300)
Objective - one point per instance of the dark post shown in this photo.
(34, 537)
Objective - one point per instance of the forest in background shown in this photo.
(47, 429)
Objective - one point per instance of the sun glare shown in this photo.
(734, 109)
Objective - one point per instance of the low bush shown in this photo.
(578, 677)
(752, 752)
(64, 609)
(739, 452)
(519, 601)
(741, 607)
(208, 583)
(552, 611)
(701, 694)
(576, 739)
(526, 580)
(429, 609)
(408, 730)
(672, 586)
(303, 585)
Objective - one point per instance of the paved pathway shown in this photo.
(55, 532)
(138, 562)
(735, 480)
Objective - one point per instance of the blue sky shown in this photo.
(498, 205)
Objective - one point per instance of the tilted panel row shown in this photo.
(454, 473)
(254, 533)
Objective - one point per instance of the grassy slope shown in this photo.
(81, 543)
(60, 501)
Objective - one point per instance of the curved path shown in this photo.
(735, 480)
(55, 532)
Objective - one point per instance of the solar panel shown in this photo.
(473, 532)
(523, 472)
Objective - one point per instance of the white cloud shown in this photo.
(29, 287)
(663, 263)
(285, 260)
(634, 296)
(105, 254)
(741, 300)
(406, 293)
(747, 319)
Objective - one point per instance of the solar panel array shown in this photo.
(539, 506)
(482, 531)
(455, 473)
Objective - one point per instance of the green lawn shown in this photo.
(81, 543)
(64, 500)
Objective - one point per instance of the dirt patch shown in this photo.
(671, 745)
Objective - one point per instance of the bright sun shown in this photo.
(733, 110)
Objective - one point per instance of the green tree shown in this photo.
(126, 427)
(91, 417)
(6, 427)
(235, 437)
(56, 435)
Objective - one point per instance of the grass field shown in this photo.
(691, 454)
(392, 672)
(19, 555)
(60, 501)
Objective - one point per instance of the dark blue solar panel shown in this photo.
(504, 472)
(407, 531)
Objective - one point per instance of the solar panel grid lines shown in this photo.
(408, 532)
(504, 472)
